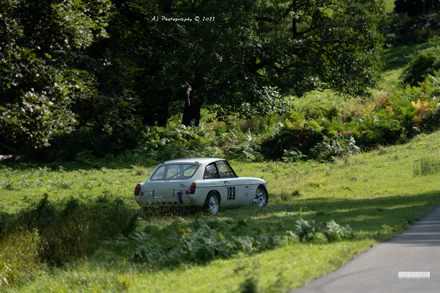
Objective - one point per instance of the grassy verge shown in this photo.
(378, 194)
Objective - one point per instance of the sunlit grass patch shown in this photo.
(375, 193)
(427, 166)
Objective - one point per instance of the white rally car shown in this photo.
(207, 182)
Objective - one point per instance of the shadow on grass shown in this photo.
(367, 217)
(70, 230)
(399, 56)
(378, 219)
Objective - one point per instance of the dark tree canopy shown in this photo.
(416, 7)
(107, 64)
(256, 50)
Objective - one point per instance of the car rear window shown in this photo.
(174, 172)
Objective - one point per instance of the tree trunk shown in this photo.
(194, 100)
(191, 114)
(10, 150)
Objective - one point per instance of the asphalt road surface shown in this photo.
(401, 264)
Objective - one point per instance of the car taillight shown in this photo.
(137, 190)
(192, 188)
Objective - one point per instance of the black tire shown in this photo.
(261, 196)
(212, 203)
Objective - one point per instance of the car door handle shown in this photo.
(226, 182)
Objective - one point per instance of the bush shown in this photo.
(323, 142)
(200, 242)
(321, 134)
(71, 230)
(308, 230)
(424, 62)
(203, 241)
(292, 137)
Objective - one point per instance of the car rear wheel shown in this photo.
(260, 196)
(212, 203)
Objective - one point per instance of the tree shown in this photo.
(41, 43)
(138, 67)
(60, 69)
(253, 51)
(415, 7)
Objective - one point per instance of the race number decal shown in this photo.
(231, 193)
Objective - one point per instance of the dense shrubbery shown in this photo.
(308, 230)
(423, 63)
(402, 28)
(321, 134)
(47, 233)
(154, 144)
(205, 240)
(391, 119)
(50, 233)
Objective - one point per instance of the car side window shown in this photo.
(211, 172)
(224, 170)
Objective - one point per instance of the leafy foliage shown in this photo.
(107, 66)
(395, 118)
(66, 233)
(205, 240)
(308, 230)
(424, 62)
(274, 47)
(391, 119)
(41, 42)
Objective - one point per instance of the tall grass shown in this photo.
(54, 234)
(85, 243)
(19, 255)
(427, 166)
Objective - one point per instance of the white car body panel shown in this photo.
(233, 191)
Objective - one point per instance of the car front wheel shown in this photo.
(212, 203)
(261, 197)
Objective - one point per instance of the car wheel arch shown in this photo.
(267, 193)
(219, 197)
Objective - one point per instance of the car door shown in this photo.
(212, 181)
(235, 190)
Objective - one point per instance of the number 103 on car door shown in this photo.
(231, 193)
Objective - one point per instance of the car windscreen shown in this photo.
(180, 171)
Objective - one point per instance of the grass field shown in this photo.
(378, 194)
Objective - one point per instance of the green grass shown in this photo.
(376, 193)
(389, 5)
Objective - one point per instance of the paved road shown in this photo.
(376, 270)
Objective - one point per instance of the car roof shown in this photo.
(194, 160)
